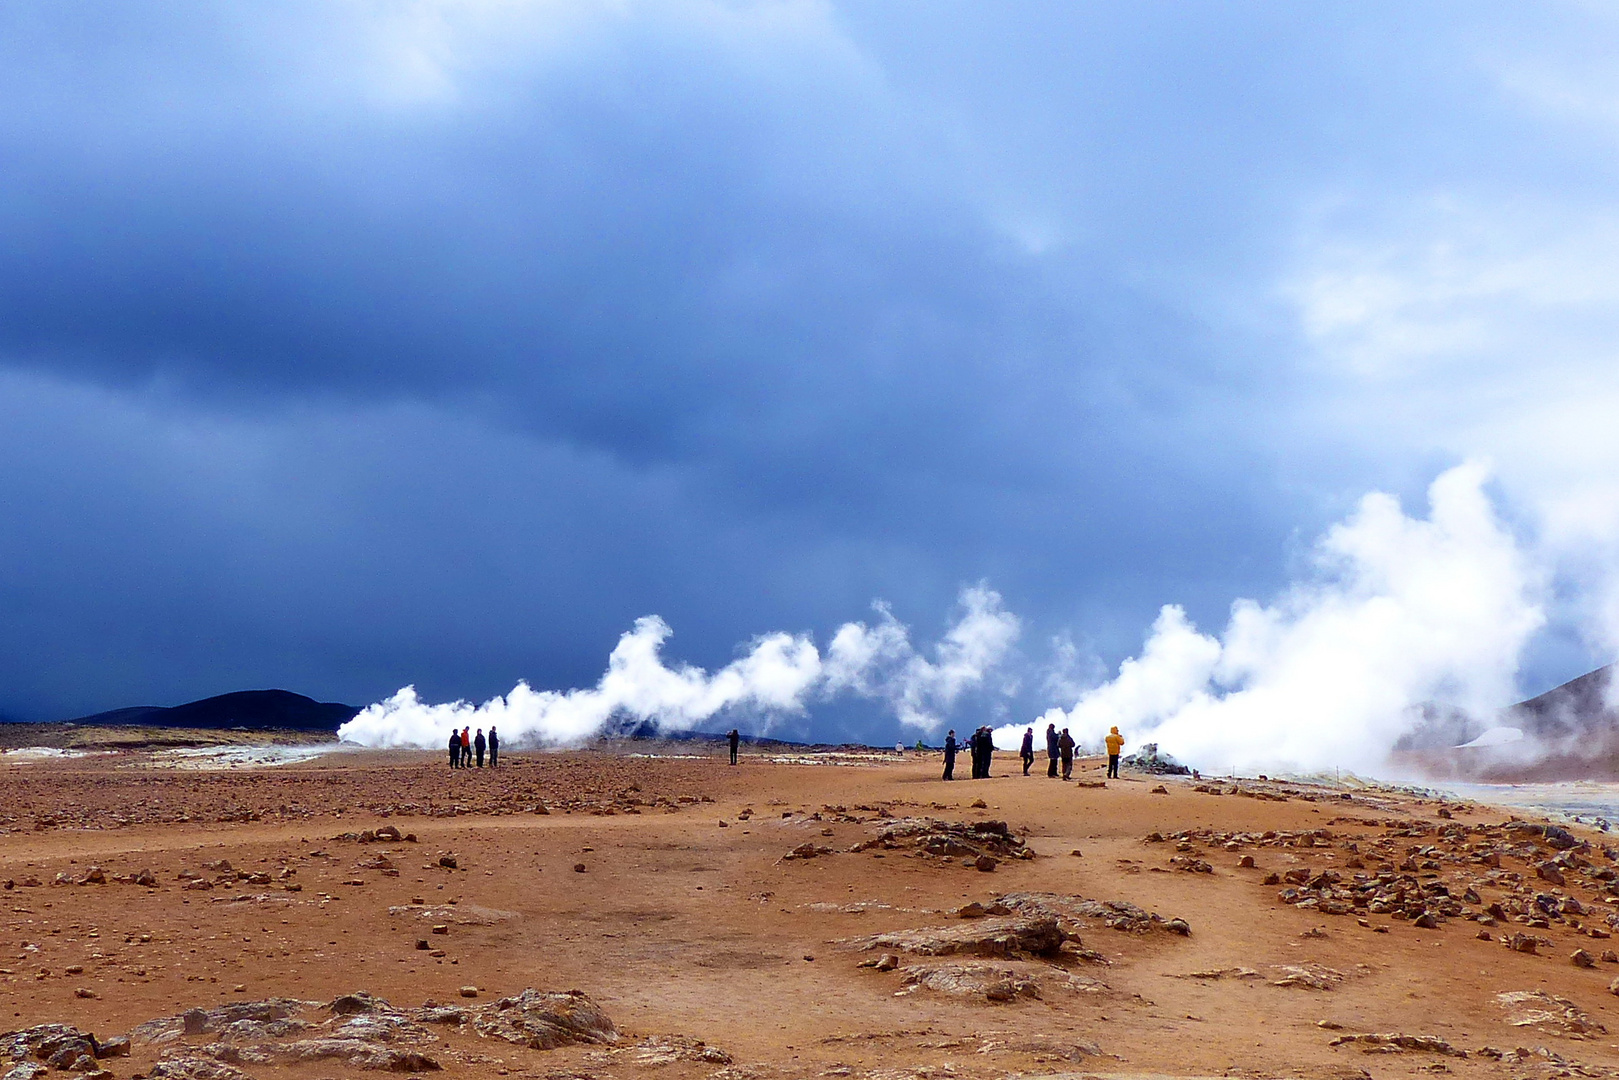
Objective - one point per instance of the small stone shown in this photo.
(887, 962)
(1581, 958)
(1247, 862)
(440, 928)
(74, 969)
(421, 943)
(985, 863)
(578, 867)
(1160, 790)
(1484, 935)
(1426, 921)
(1548, 871)
(83, 992)
(979, 804)
(194, 1022)
(447, 861)
(1179, 926)
(974, 910)
(1610, 957)
(468, 991)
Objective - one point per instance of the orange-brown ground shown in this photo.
(686, 920)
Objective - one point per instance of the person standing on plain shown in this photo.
(494, 747)
(950, 755)
(986, 746)
(1065, 747)
(1115, 743)
(1026, 753)
(1052, 751)
(455, 749)
(478, 745)
(734, 737)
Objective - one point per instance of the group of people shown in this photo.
(980, 744)
(1059, 752)
(467, 748)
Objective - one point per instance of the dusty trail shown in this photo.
(687, 922)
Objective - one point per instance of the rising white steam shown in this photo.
(1401, 612)
(778, 675)
(879, 661)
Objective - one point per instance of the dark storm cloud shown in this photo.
(351, 346)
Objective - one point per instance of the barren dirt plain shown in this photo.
(597, 914)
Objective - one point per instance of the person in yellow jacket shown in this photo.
(1115, 743)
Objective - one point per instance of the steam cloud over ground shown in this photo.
(778, 675)
(1399, 614)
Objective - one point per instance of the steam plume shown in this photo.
(778, 675)
(1401, 612)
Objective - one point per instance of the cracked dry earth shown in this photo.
(607, 916)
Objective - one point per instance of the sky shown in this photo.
(350, 347)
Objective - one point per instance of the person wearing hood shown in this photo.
(1052, 751)
(494, 747)
(455, 749)
(950, 755)
(1026, 751)
(1065, 746)
(1115, 743)
(478, 745)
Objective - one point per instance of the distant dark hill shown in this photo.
(257, 709)
(1577, 707)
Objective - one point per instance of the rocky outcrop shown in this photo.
(545, 1019)
(59, 1046)
(1006, 938)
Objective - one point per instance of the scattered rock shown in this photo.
(1394, 1043)
(1307, 976)
(806, 850)
(1537, 1008)
(1581, 958)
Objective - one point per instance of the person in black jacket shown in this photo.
(734, 737)
(986, 750)
(950, 755)
(478, 744)
(494, 747)
(1052, 750)
(455, 749)
(1026, 752)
